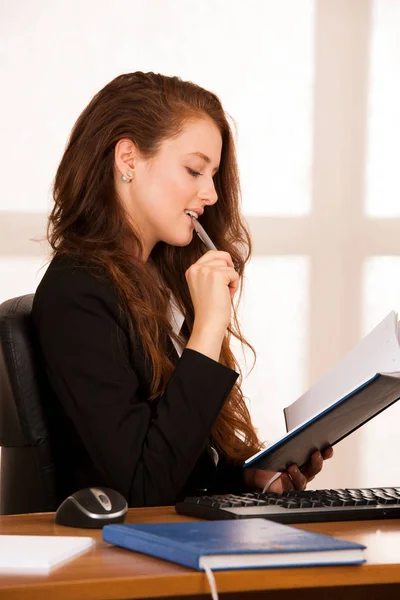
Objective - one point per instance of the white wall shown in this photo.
(313, 88)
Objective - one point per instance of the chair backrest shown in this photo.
(27, 473)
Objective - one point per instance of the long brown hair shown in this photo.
(88, 221)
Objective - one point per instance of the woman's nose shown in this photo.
(209, 194)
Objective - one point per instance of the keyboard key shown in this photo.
(382, 499)
(291, 504)
(333, 502)
(208, 502)
(305, 504)
(392, 494)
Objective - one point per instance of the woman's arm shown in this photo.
(144, 453)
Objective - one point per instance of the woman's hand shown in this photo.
(292, 479)
(212, 282)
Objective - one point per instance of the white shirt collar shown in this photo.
(176, 317)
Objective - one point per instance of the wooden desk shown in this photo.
(108, 572)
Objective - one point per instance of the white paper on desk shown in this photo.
(22, 554)
(378, 352)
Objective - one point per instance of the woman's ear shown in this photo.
(124, 155)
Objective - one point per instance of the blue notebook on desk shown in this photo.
(236, 544)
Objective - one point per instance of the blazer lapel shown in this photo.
(171, 350)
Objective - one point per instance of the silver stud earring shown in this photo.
(128, 177)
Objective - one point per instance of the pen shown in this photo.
(201, 232)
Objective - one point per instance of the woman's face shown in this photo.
(178, 178)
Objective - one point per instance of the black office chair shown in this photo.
(27, 474)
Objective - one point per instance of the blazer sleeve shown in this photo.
(145, 453)
(230, 478)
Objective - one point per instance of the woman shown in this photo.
(133, 316)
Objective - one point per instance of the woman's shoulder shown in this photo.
(71, 276)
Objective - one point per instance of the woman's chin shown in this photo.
(183, 240)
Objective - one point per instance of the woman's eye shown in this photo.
(193, 173)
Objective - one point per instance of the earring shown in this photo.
(128, 177)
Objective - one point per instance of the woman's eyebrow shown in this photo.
(206, 158)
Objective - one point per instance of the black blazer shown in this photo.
(105, 430)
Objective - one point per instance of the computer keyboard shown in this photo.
(297, 507)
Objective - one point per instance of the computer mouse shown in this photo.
(92, 508)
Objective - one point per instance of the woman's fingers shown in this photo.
(212, 282)
(327, 453)
(293, 478)
(298, 478)
(282, 484)
(287, 483)
(216, 255)
(314, 466)
(316, 463)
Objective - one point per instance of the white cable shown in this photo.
(211, 582)
(266, 486)
(208, 571)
